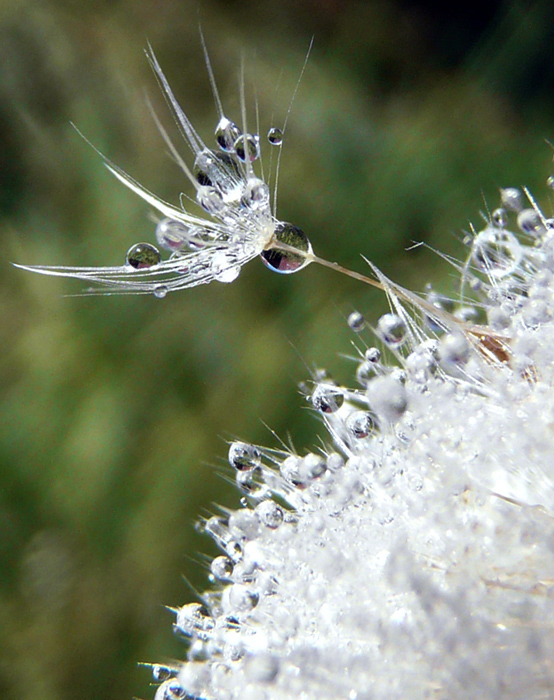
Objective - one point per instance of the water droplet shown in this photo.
(512, 198)
(530, 222)
(160, 291)
(360, 424)
(142, 255)
(290, 471)
(392, 330)
(287, 261)
(500, 217)
(226, 133)
(162, 673)
(373, 355)
(216, 169)
(312, 467)
(244, 457)
(356, 321)
(335, 462)
(170, 690)
(496, 252)
(454, 349)
(255, 194)
(194, 620)
(270, 514)
(224, 268)
(550, 182)
(247, 147)
(222, 568)
(211, 200)
(172, 234)
(275, 136)
(327, 398)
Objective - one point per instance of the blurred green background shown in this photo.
(115, 410)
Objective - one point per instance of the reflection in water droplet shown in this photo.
(247, 147)
(500, 217)
(275, 136)
(224, 268)
(142, 255)
(530, 222)
(360, 424)
(327, 398)
(392, 330)
(270, 514)
(210, 199)
(255, 194)
(160, 291)
(285, 261)
(222, 568)
(356, 321)
(172, 234)
(226, 133)
(244, 457)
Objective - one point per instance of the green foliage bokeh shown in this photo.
(115, 411)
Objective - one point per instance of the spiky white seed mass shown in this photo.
(413, 558)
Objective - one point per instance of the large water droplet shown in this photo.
(226, 133)
(275, 136)
(247, 147)
(287, 261)
(172, 234)
(211, 200)
(496, 252)
(255, 194)
(194, 620)
(360, 424)
(142, 255)
(530, 222)
(244, 457)
(270, 514)
(327, 398)
(391, 328)
(216, 169)
(222, 568)
(224, 268)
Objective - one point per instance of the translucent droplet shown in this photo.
(255, 194)
(211, 200)
(327, 398)
(290, 471)
(335, 461)
(275, 136)
(356, 321)
(162, 673)
(312, 467)
(226, 133)
(360, 424)
(247, 147)
(172, 234)
(550, 182)
(287, 261)
(142, 255)
(244, 457)
(454, 349)
(373, 355)
(530, 222)
(496, 252)
(160, 291)
(194, 620)
(270, 514)
(512, 198)
(391, 328)
(500, 217)
(170, 690)
(216, 169)
(224, 268)
(222, 568)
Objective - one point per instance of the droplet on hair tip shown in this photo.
(287, 261)
(142, 256)
(356, 321)
(275, 136)
(226, 134)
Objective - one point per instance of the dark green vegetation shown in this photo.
(115, 410)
